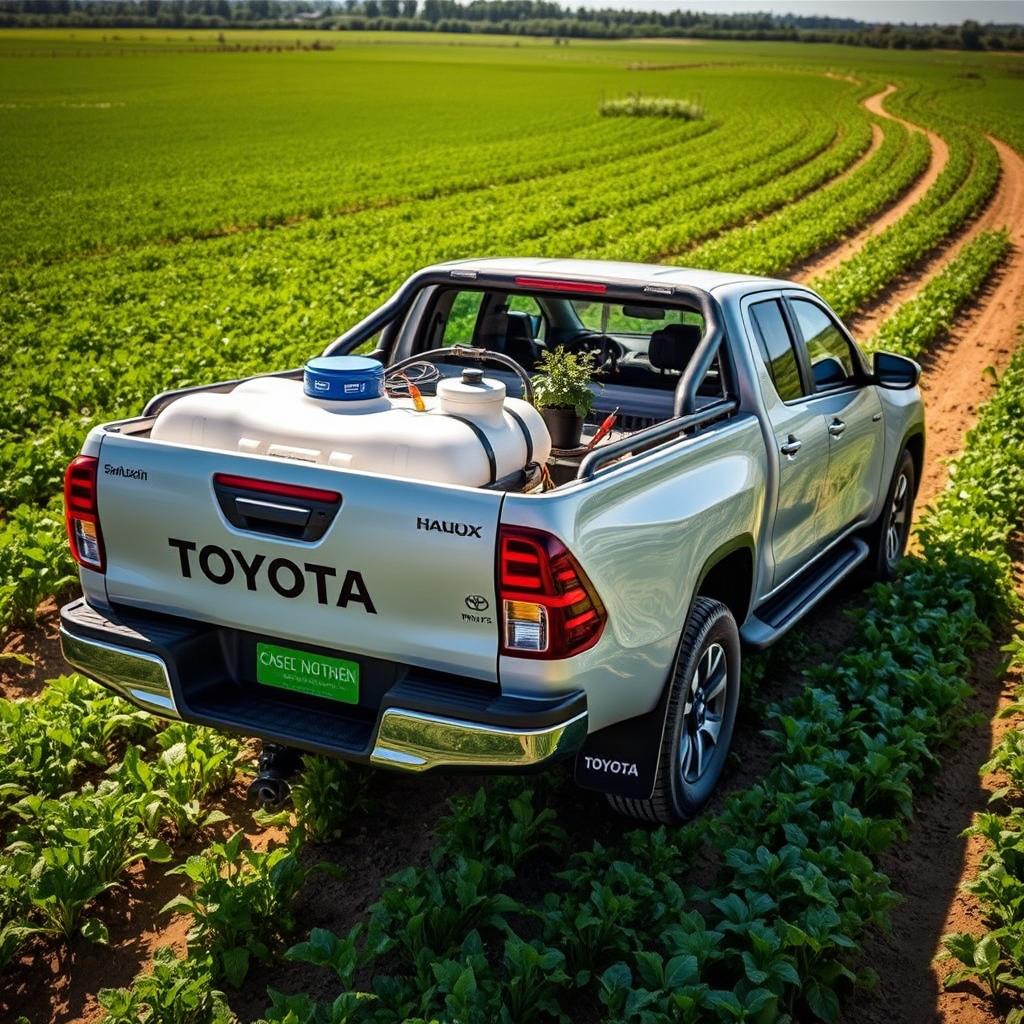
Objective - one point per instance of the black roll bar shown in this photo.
(685, 401)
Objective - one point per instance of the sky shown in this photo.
(921, 11)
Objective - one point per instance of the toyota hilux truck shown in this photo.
(380, 557)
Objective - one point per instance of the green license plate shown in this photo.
(316, 674)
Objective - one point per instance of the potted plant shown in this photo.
(561, 391)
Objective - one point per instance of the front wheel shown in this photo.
(888, 540)
(700, 718)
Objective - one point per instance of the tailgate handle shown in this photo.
(276, 509)
(270, 512)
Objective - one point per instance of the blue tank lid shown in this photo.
(343, 378)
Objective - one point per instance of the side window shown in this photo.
(462, 319)
(777, 348)
(827, 348)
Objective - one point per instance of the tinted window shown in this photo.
(777, 349)
(827, 348)
(618, 319)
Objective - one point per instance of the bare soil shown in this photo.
(40, 645)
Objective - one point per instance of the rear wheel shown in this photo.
(889, 536)
(700, 718)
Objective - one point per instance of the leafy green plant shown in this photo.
(176, 991)
(982, 958)
(195, 763)
(326, 795)
(79, 845)
(500, 824)
(50, 738)
(342, 956)
(563, 381)
(241, 903)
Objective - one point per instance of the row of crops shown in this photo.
(995, 958)
(753, 913)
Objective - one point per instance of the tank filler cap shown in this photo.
(343, 378)
(473, 376)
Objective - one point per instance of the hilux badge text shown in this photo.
(128, 472)
(448, 526)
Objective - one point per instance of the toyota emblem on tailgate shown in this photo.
(477, 603)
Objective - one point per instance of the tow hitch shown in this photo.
(276, 765)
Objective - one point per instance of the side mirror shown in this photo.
(895, 372)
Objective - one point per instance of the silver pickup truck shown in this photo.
(384, 560)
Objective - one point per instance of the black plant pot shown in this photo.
(564, 425)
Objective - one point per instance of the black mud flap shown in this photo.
(622, 759)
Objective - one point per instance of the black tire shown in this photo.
(888, 537)
(686, 777)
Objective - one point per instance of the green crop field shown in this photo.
(179, 209)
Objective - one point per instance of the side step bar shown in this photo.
(783, 611)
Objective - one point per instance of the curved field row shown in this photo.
(985, 336)
(210, 173)
(960, 191)
(831, 258)
(663, 241)
(771, 245)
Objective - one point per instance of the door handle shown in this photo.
(836, 427)
(791, 447)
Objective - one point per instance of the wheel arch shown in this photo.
(728, 576)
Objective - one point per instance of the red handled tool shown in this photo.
(602, 430)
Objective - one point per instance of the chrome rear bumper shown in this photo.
(138, 677)
(416, 742)
(418, 727)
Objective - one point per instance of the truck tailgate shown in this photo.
(404, 571)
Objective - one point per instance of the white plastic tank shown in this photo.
(339, 415)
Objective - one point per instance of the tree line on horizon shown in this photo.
(502, 17)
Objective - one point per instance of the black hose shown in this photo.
(480, 355)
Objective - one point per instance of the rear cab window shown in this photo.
(639, 351)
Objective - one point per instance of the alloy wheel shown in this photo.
(895, 534)
(703, 714)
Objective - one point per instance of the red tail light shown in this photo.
(549, 607)
(81, 514)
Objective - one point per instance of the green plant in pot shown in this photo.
(561, 391)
